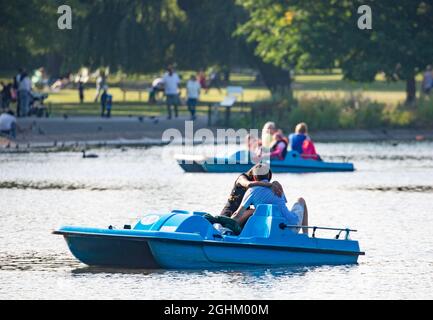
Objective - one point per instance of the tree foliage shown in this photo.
(317, 34)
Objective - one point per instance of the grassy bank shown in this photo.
(347, 112)
(325, 101)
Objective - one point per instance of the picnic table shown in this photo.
(139, 87)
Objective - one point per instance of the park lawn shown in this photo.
(330, 86)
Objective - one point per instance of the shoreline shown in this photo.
(54, 134)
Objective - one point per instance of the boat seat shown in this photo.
(261, 222)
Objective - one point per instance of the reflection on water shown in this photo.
(250, 272)
(388, 199)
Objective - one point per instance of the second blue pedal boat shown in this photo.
(241, 162)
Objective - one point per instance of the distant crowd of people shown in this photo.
(19, 91)
(170, 85)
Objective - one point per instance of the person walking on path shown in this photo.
(171, 87)
(193, 93)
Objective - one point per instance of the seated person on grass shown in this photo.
(8, 124)
(297, 216)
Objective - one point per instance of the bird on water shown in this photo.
(89, 156)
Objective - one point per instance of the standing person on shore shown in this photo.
(24, 94)
(1, 94)
(15, 87)
(202, 79)
(81, 91)
(104, 98)
(214, 81)
(101, 82)
(171, 87)
(6, 95)
(193, 93)
(109, 104)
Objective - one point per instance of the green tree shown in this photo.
(319, 34)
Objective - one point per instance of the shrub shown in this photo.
(348, 112)
(425, 112)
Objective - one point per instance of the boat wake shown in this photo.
(35, 261)
(45, 185)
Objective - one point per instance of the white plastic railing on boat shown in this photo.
(348, 231)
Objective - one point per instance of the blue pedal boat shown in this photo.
(186, 240)
(241, 162)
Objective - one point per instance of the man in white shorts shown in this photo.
(297, 216)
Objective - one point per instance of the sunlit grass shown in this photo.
(326, 86)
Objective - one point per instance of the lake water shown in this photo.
(389, 199)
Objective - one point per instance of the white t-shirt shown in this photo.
(25, 84)
(6, 121)
(171, 83)
(193, 89)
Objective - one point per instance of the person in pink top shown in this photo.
(278, 150)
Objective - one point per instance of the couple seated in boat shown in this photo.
(274, 144)
(254, 188)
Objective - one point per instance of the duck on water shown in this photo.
(89, 156)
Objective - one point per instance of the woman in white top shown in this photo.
(269, 129)
(193, 88)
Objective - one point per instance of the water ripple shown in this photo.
(35, 261)
(420, 189)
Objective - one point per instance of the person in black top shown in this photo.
(242, 184)
(6, 95)
(81, 91)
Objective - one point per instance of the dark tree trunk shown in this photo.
(411, 90)
(54, 63)
(276, 79)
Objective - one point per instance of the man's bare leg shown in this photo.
(305, 219)
(242, 220)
